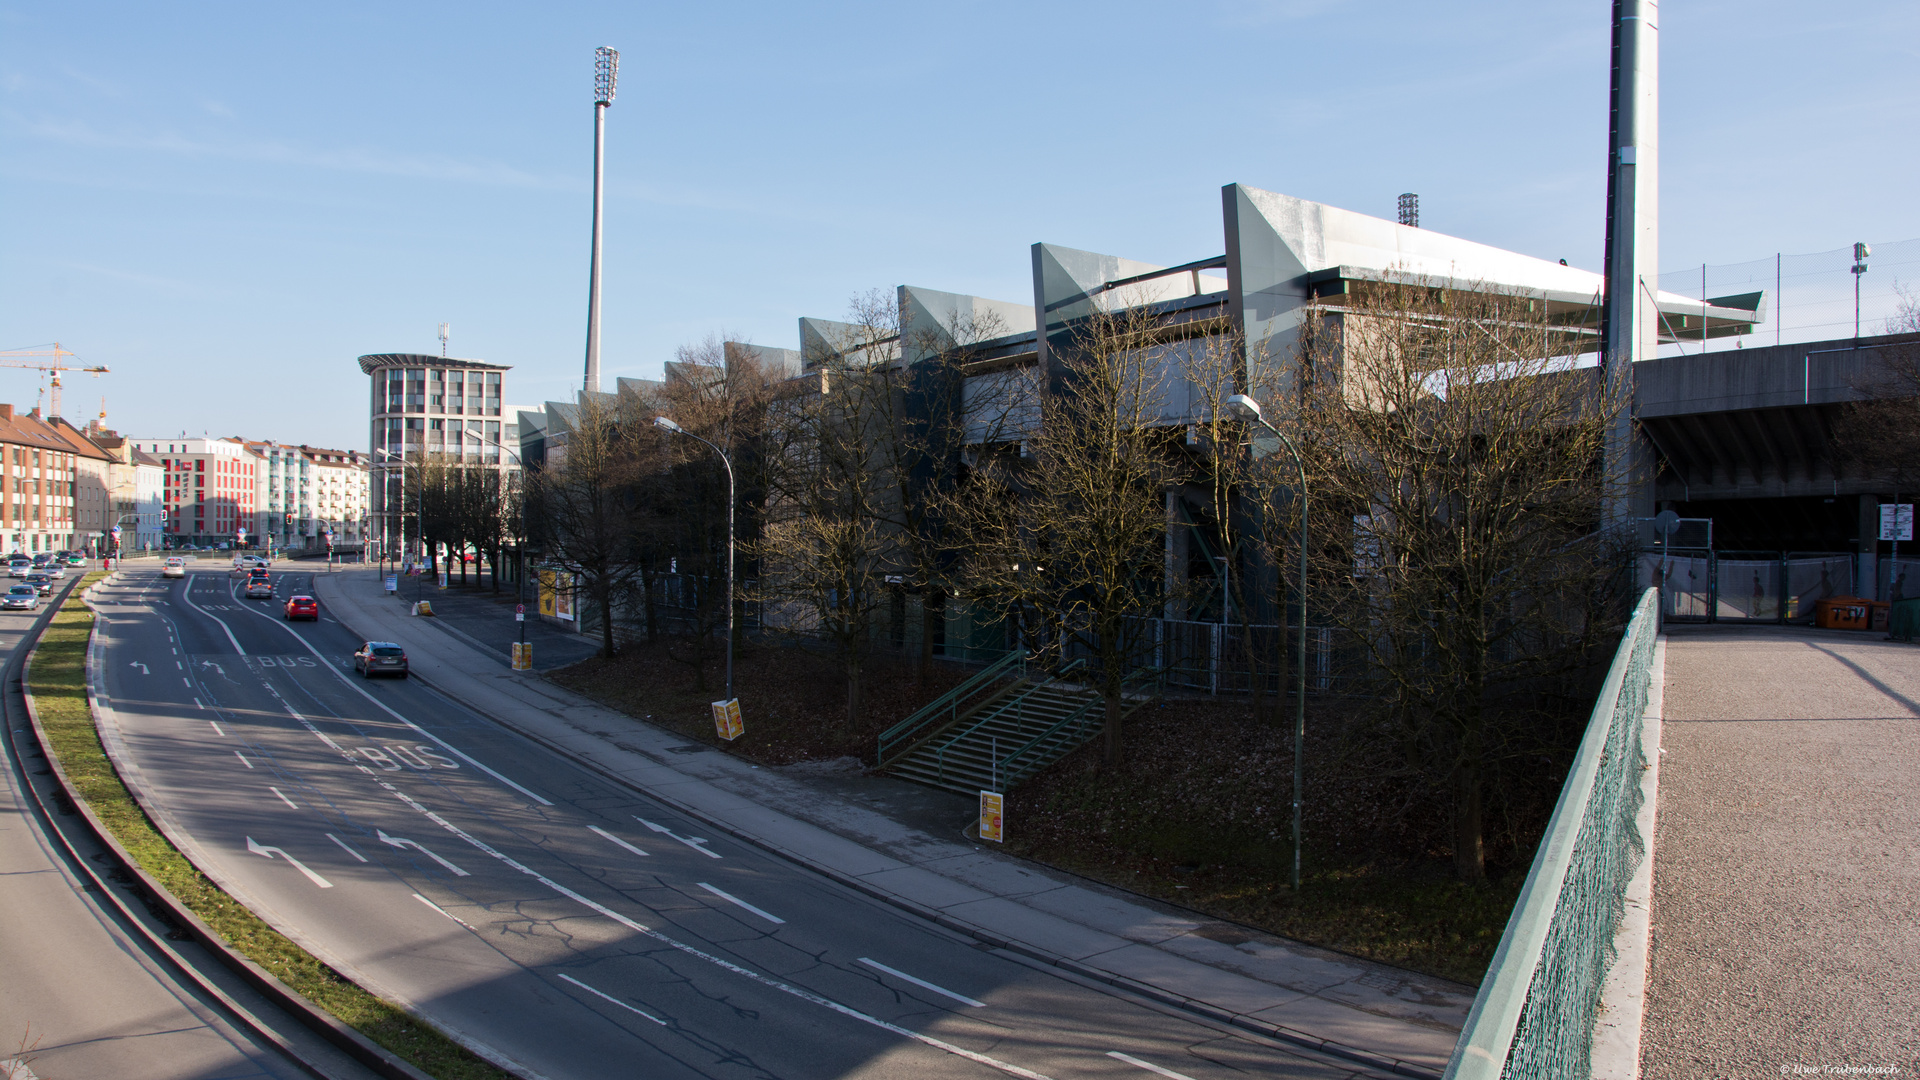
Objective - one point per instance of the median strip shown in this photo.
(56, 685)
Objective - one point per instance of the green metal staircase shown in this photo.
(1000, 727)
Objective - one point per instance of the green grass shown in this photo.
(57, 681)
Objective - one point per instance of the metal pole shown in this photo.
(606, 69)
(730, 501)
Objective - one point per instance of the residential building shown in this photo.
(333, 497)
(135, 480)
(210, 490)
(424, 406)
(40, 464)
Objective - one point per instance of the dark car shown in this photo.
(42, 581)
(261, 588)
(380, 658)
(300, 607)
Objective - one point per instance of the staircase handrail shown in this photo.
(940, 755)
(947, 706)
(1004, 766)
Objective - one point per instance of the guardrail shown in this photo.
(1534, 1014)
(1080, 720)
(947, 707)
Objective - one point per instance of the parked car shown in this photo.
(260, 589)
(380, 658)
(299, 607)
(20, 598)
(40, 581)
(175, 566)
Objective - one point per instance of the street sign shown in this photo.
(992, 818)
(1896, 521)
(519, 609)
(520, 616)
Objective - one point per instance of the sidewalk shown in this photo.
(1391, 1018)
(1786, 877)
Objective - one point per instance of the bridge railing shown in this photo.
(1534, 1015)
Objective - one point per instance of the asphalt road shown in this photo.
(550, 918)
(80, 994)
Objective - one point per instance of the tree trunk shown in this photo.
(1469, 840)
(1115, 757)
(854, 689)
(606, 622)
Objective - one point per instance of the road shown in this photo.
(82, 995)
(553, 920)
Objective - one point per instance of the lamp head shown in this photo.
(1243, 407)
(661, 421)
(606, 72)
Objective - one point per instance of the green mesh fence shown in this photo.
(1535, 1011)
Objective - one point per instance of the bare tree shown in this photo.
(1456, 472)
(1879, 434)
(584, 498)
(1068, 535)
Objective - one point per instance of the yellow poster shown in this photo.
(991, 821)
(726, 719)
(563, 585)
(546, 592)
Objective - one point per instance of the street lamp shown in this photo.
(661, 421)
(606, 72)
(1247, 409)
(1860, 252)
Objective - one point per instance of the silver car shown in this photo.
(20, 598)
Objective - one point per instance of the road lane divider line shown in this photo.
(402, 842)
(923, 984)
(345, 848)
(186, 594)
(283, 797)
(615, 839)
(1147, 1065)
(693, 842)
(727, 965)
(198, 705)
(258, 848)
(216, 724)
(444, 911)
(243, 759)
(611, 998)
(732, 899)
(362, 691)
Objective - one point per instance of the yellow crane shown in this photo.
(17, 358)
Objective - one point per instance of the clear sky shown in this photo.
(227, 203)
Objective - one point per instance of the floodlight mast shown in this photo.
(606, 72)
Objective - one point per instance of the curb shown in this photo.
(325, 1024)
(1391, 1065)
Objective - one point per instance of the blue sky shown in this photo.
(226, 203)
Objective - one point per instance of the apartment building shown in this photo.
(425, 407)
(208, 495)
(44, 464)
(135, 480)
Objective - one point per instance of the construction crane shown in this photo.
(8, 358)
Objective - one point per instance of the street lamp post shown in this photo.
(1248, 409)
(664, 422)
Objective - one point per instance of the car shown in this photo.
(76, 559)
(261, 588)
(19, 568)
(40, 581)
(54, 570)
(298, 607)
(20, 598)
(174, 567)
(42, 559)
(380, 658)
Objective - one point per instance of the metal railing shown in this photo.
(947, 707)
(1535, 1012)
(1012, 770)
(958, 737)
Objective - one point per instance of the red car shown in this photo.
(303, 607)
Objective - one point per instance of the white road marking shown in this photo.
(647, 931)
(215, 723)
(400, 842)
(202, 708)
(176, 664)
(345, 848)
(732, 899)
(923, 984)
(243, 759)
(141, 666)
(283, 798)
(1148, 1065)
(186, 682)
(358, 689)
(443, 911)
(693, 842)
(611, 998)
(615, 839)
(260, 849)
(187, 595)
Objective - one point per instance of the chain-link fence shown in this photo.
(1809, 297)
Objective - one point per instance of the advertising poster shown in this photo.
(726, 719)
(991, 821)
(546, 592)
(563, 596)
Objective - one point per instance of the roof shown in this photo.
(30, 429)
(373, 362)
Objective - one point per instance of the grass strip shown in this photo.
(58, 684)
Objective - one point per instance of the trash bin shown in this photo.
(1877, 614)
(1841, 613)
(1905, 619)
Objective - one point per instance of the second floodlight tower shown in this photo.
(606, 72)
